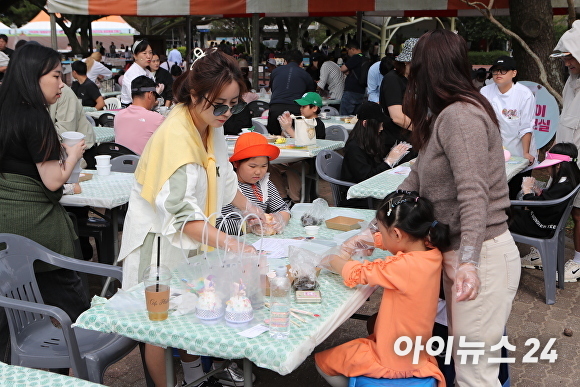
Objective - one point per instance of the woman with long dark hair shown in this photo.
(142, 53)
(34, 165)
(363, 155)
(461, 170)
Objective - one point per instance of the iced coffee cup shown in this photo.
(156, 280)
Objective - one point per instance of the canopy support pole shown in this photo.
(53, 43)
(383, 45)
(359, 28)
(255, 50)
(189, 41)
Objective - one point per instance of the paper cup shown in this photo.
(156, 280)
(103, 170)
(324, 115)
(103, 160)
(70, 139)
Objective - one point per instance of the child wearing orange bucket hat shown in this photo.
(251, 158)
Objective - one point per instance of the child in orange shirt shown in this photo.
(410, 278)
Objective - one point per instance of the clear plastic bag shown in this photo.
(316, 215)
(303, 267)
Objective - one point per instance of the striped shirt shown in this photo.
(271, 202)
(331, 75)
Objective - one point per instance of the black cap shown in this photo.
(371, 111)
(505, 62)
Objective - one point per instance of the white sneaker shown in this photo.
(532, 260)
(571, 271)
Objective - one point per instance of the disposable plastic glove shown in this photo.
(467, 282)
(253, 209)
(233, 245)
(285, 120)
(274, 224)
(528, 185)
(397, 153)
(331, 259)
(361, 244)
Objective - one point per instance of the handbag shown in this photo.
(304, 131)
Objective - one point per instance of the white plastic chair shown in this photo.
(112, 103)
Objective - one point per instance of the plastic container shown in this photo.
(103, 170)
(280, 304)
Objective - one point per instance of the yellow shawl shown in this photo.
(175, 143)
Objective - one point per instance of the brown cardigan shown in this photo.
(462, 171)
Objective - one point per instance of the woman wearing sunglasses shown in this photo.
(184, 176)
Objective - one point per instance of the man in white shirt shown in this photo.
(515, 108)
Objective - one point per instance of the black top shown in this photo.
(289, 82)
(359, 165)
(392, 91)
(237, 122)
(354, 66)
(24, 153)
(164, 76)
(540, 221)
(88, 92)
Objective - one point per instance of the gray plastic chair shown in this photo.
(124, 163)
(329, 110)
(91, 120)
(259, 127)
(328, 167)
(35, 341)
(336, 133)
(551, 249)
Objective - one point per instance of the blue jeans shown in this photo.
(350, 102)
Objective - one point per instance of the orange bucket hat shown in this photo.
(253, 145)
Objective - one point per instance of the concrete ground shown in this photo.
(530, 318)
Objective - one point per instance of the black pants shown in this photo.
(275, 111)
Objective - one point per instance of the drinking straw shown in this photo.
(158, 261)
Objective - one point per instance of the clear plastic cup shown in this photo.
(156, 280)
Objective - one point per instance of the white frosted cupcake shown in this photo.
(209, 305)
(238, 307)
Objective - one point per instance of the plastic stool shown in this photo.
(363, 381)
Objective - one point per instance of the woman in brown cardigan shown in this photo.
(460, 168)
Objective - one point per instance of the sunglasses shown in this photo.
(221, 109)
(499, 71)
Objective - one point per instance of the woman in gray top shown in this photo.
(460, 168)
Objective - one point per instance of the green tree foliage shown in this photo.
(19, 12)
(475, 29)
